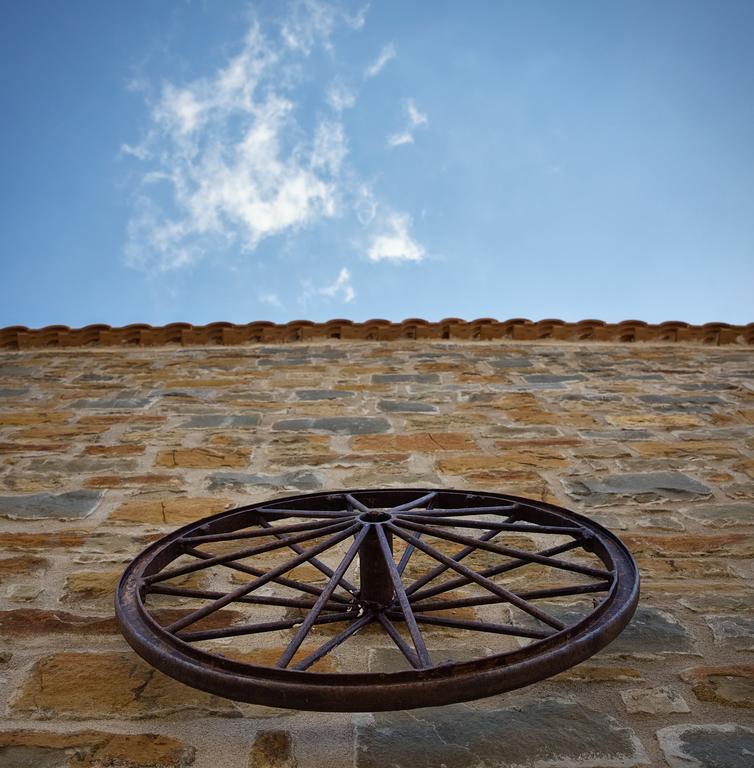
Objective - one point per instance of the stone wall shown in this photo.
(102, 450)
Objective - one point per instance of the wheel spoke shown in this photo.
(408, 615)
(410, 547)
(334, 642)
(356, 504)
(402, 645)
(461, 511)
(171, 573)
(492, 571)
(515, 527)
(252, 571)
(440, 569)
(302, 512)
(319, 565)
(505, 594)
(244, 534)
(204, 594)
(303, 630)
(481, 626)
(426, 499)
(501, 549)
(534, 594)
(256, 583)
(253, 629)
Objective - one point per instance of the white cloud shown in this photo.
(396, 139)
(269, 298)
(414, 119)
(139, 151)
(340, 97)
(312, 22)
(395, 243)
(232, 158)
(229, 161)
(342, 286)
(385, 55)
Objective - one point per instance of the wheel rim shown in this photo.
(394, 564)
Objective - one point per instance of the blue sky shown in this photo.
(202, 161)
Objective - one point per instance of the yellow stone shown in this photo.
(168, 511)
(203, 458)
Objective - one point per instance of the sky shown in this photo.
(239, 161)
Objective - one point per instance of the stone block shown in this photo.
(403, 406)
(653, 701)
(419, 442)
(72, 505)
(654, 485)
(342, 425)
(203, 458)
(728, 745)
(272, 749)
(106, 686)
(324, 394)
(405, 378)
(222, 421)
(735, 632)
(731, 686)
(303, 480)
(548, 733)
(91, 749)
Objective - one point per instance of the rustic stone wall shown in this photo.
(103, 449)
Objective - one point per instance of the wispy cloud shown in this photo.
(230, 159)
(342, 286)
(413, 119)
(395, 243)
(386, 54)
(340, 96)
(269, 298)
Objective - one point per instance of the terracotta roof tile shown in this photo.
(484, 329)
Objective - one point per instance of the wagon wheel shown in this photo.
(370, 600)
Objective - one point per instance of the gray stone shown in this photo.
(398, 406)
(73, 505)
(722, 515)
(653, 701)
(651, 632)
(510, 362)
(284, 361)
(405, 378)
(301, 480)
(123, 401)
(94, 377)
(552, 378)
(14, 371)
(33, 757)
(546, 733)
(718, 603)
(666, 485)
(221, 420)
(681, 400)
(342, 425)
(10, 392)
(81, 465)
(616, 434)
(735, 632)
(323, 394)
(639, 377)
(728, 745)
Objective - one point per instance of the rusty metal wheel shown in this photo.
(371, 600)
